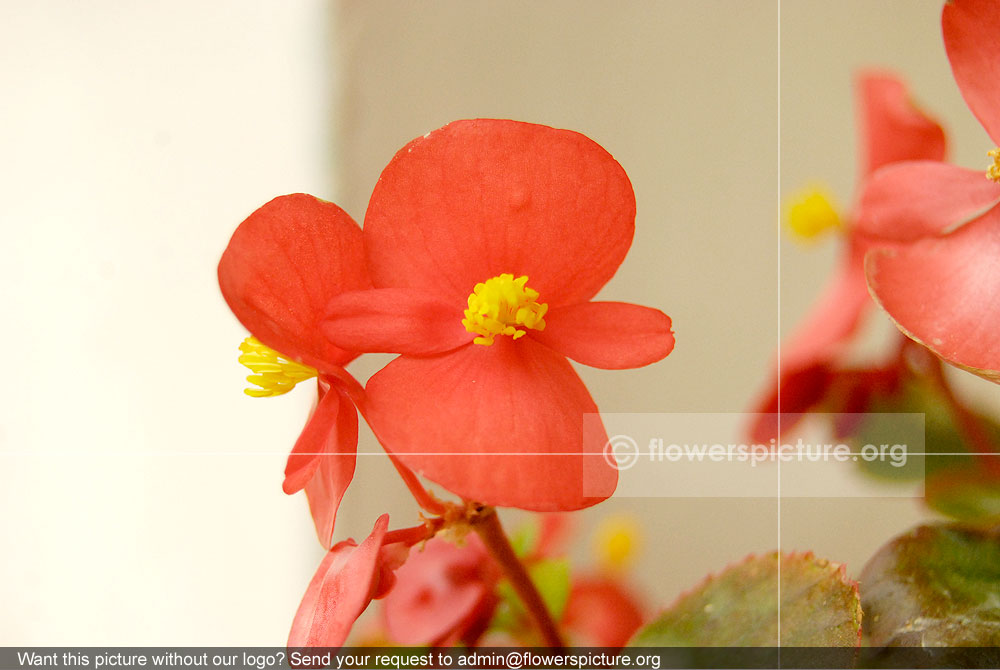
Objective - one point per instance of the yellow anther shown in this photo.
(501, 304)
(273, 373)
(993, 171)
(810, 214)
(616, 542)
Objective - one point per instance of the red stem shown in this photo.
(487, 525)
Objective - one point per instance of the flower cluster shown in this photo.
(483, 246)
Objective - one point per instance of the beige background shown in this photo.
(140, 489)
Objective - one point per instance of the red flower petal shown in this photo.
(907, 201)
(282, 266)
(394, 320)
(610, 335)
(601, 612)
(438, 590)
(970, 30)
(503, 425)
(832, 319)
(339, 591)
(796, 391)
(894, 128)
(335, 470)
(479, 198)
(945, 293)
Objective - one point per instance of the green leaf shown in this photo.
(969, 494)
(525, 537)
(937, 585)
(551, 577)
(739, 607)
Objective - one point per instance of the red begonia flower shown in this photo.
(444, 593)
(892, 129)
(601, 612)
(942, 290)
(282, 266)
(473, 232)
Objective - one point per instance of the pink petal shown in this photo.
(907, 201)
(970, 30)
(282, 266)
(610, 335)
(502, 425)
(945, 293)
(438, 590)
(893, 128)
(479, 198)
(329, 483)
(339, 591)
(314, 439)
(602, 612)
(395, 320)
(833, 318)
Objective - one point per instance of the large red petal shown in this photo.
(339, 591)
(438, 590)
(971, 29)
(479, 198)
(394, 320)
(503, 425)
(610, 335)
(945, 293)
(335, 470)
(894, 129)
(282, 266)
(907, 201)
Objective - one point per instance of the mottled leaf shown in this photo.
(739, 607)
(938, 585)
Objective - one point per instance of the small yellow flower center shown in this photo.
(993, 171)
(273, 373)
(616, 541)
(810, 214)
(501, 304)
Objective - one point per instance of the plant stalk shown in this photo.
(487, 526)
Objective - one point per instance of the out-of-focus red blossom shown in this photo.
(445, 594)
(892, 129)
(283, 264)
(943, 290)
(350, 576)
(601, 612)
(487, 202)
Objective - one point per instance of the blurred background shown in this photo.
(140, 488)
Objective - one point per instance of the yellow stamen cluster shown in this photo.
(810, 214)
(498, 305)
(273, 373)
(616, 542)
(993, 171)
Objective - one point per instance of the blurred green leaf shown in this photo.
(937, 585)
(551, 577)
(525, 537)
(968, 494)
(739, 607)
